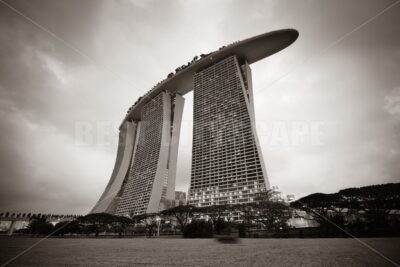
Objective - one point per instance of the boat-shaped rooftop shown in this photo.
(251, 50)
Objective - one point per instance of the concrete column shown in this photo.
(12, 227)
(174, 145)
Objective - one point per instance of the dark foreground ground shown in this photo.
(199, 252)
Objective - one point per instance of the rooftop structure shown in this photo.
(250, 50)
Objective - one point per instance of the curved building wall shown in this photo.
(152, 174)
(126, 142)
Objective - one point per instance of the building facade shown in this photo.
(143, 179)
(180, 198)
(151, 179)
(227, 164)
(108, 201)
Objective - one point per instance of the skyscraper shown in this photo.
(227, 164)
(151, 147)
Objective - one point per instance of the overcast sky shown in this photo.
(327, 107)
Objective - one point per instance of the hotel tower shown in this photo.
(227, 163)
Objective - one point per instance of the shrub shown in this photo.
(40, 226)
(242, 230)
(198, 229)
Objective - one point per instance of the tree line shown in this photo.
(187, 220)
(366, 211)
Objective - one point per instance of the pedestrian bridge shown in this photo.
(10, 221)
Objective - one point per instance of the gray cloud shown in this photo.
(46, 89)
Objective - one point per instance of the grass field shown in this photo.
(199, 252)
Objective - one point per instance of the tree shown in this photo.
(272, 215)
(63, 228)
(221, 226)
(220, 216)
(104, 222)
(218, 212)
(384, 196)
(198, 229)
(103, 218)
(40, 226)
(330, 224)
(151, 221)
(182, 214)
(92, 229)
